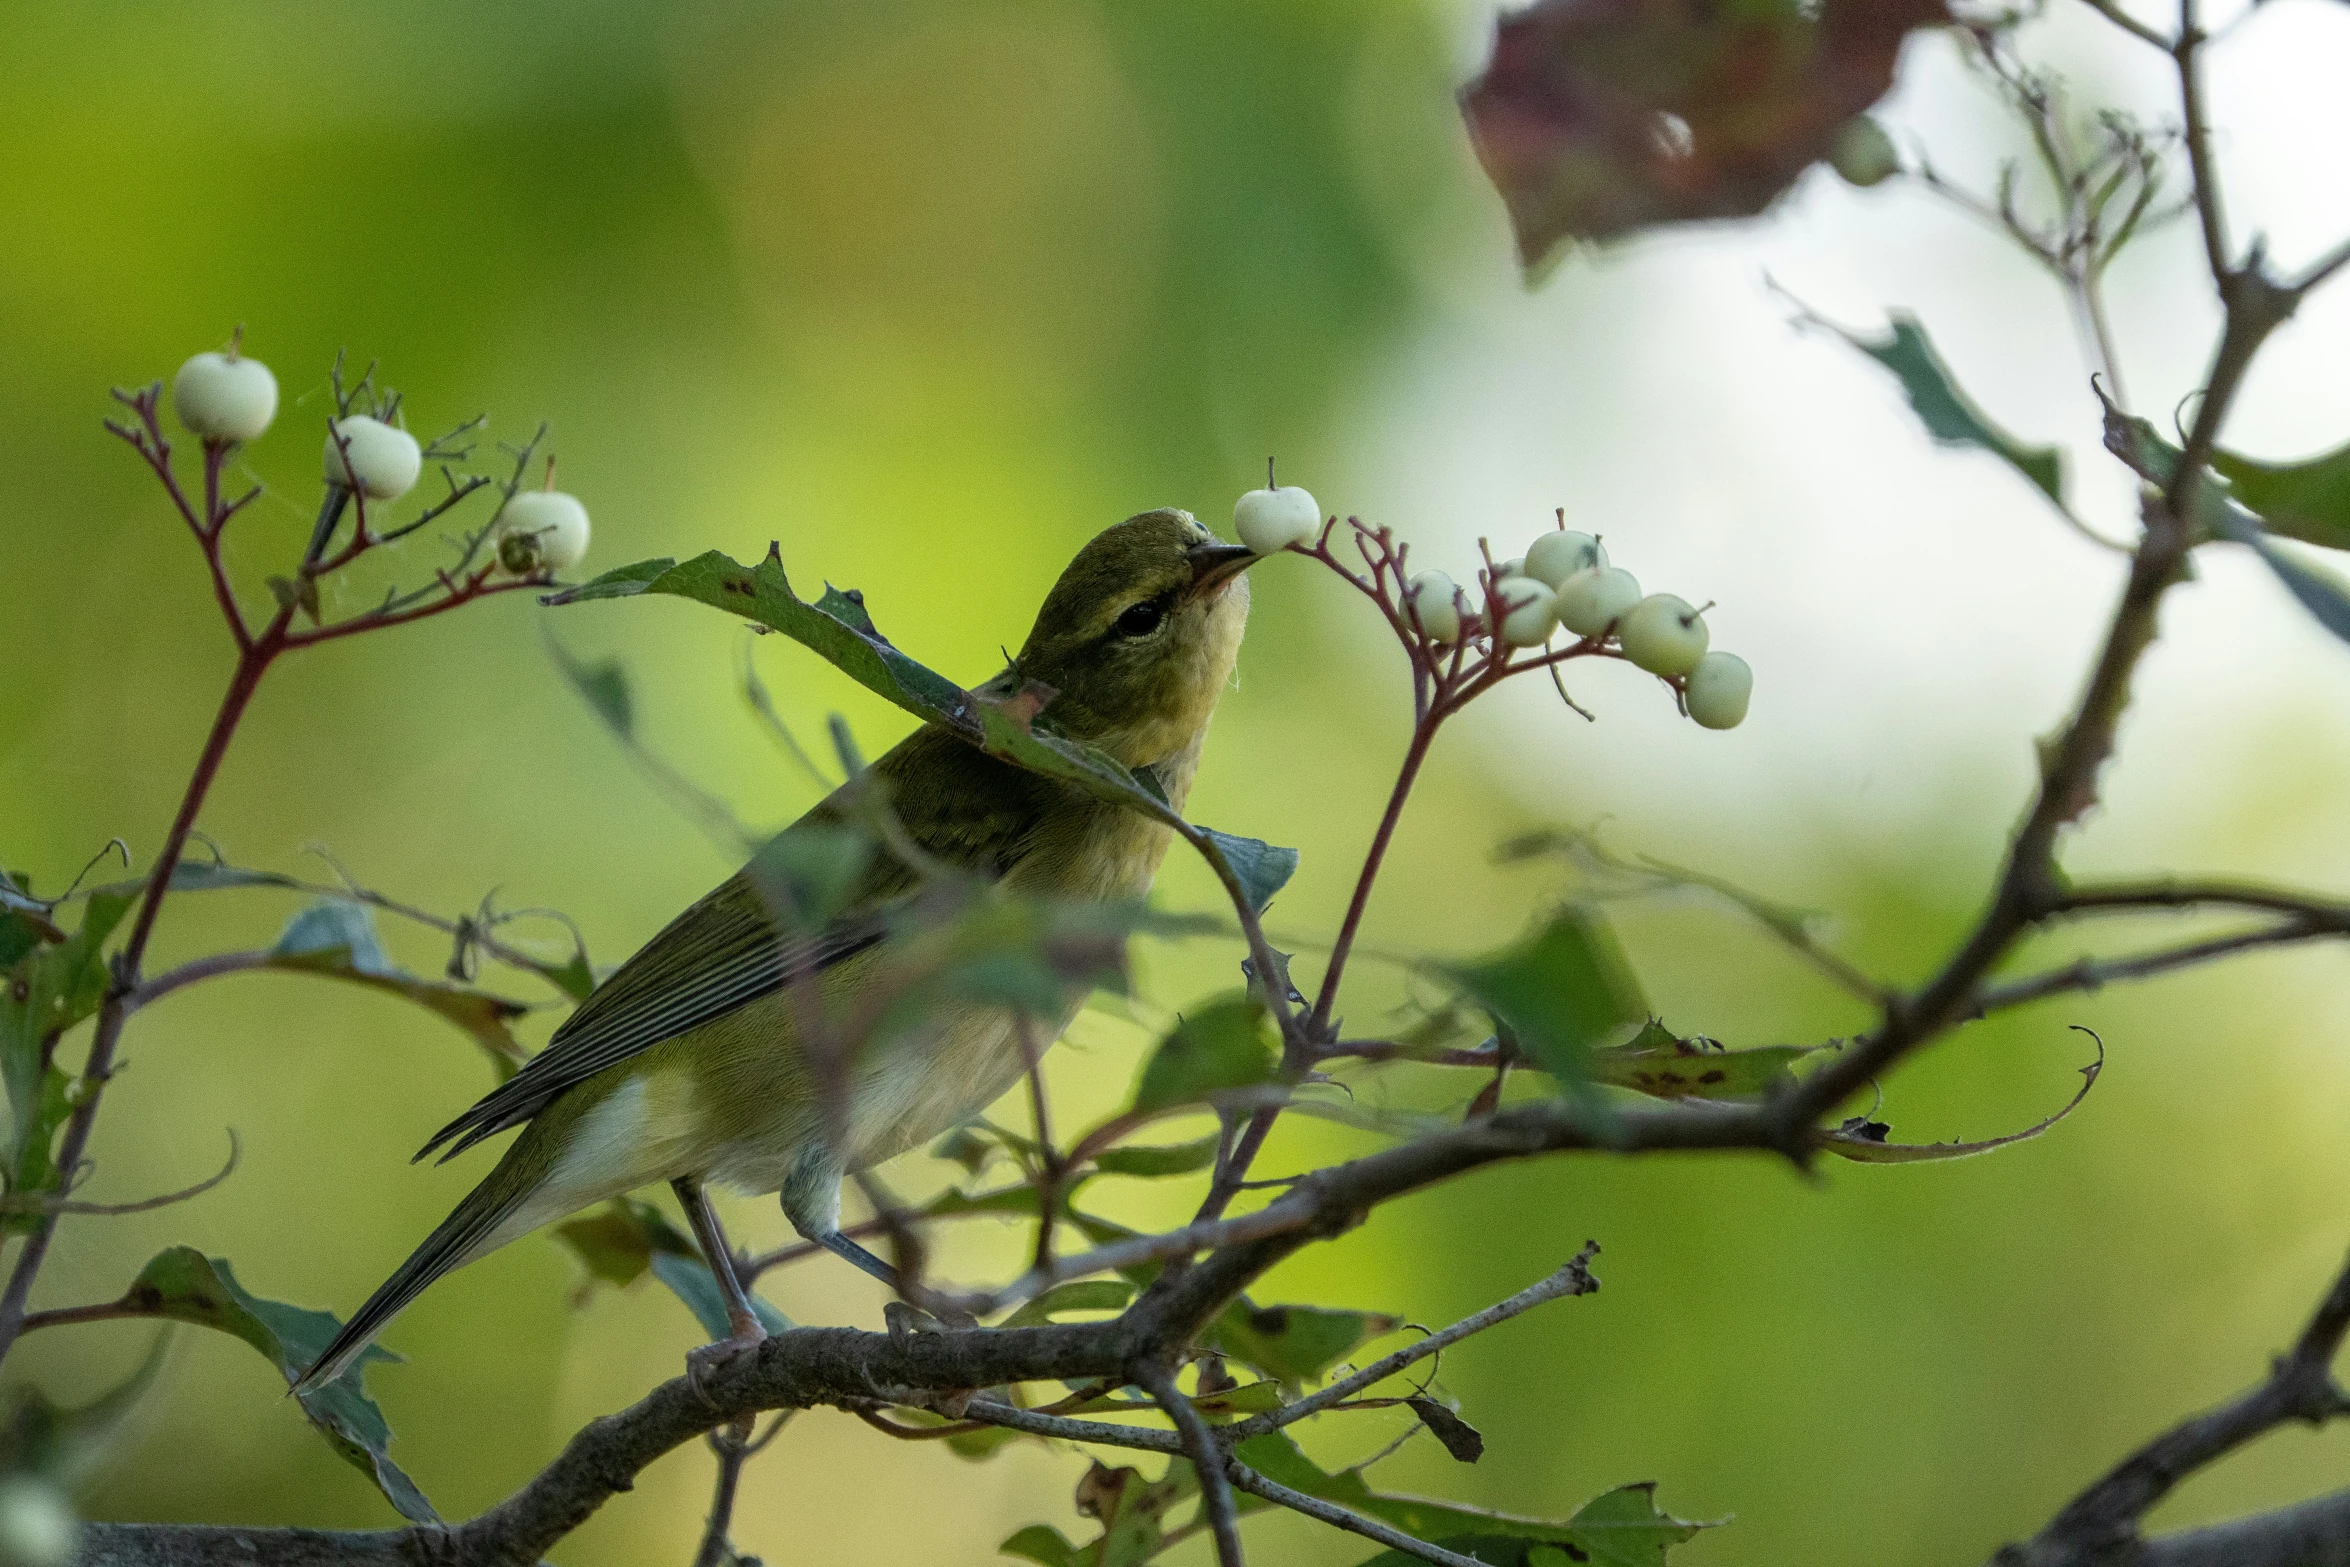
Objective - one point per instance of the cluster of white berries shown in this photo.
(233, 397)
(1563, 579)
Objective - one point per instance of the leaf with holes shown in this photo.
(1661, 1064)
(1293, 1344)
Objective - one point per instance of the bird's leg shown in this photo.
(744, 1330)
(819, 1222)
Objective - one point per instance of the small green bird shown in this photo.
(683, 1066)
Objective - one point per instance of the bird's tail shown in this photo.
(464, 1235)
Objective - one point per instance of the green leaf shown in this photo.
(336, 938)
(1293, 1344)
(690, 1280)
(1157, 1160)
(1560, 992)
(1043, 1544)
(1224, 1045)
(1262, 869)
(1082, 1295)
(602, 685)
(1946, 412)
(1661, 1064)
(628, 1238)
(186, 1286)
(2308, 500)
(47, 990)
(2320, 591)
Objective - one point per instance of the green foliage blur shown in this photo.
(928, 295)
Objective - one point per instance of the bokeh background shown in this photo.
(929, 293)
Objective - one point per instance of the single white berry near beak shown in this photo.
(1269, 521)
(1528, 612)
(1515, 566)
(225, 397)
(381, 462)
(1663, 635)
(1553, 558)
(1718, 690)
(542, 530)
(1431, 595)
(1595, 598)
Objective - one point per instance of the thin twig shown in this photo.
(1572, 1279)
(1331, 1513)
(1208, 1453)
(35, 1202)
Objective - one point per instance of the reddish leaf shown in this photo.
(1599, 117)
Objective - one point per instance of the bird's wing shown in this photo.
(728, 949)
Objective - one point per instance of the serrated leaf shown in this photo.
(1221, 1046)
(184, 1285)
(1293, 1344)
(1081, 1295)
(336, 939)
(1560, 991)
(1151, 1161)
(47, 990)
(1948, 414)
(1659, 1063)
(1263, 869)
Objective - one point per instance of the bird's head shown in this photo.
(1140, 635)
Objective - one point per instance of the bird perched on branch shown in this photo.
(687, 1065)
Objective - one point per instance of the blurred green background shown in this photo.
(929, 293)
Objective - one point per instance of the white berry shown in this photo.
(225, 399)
(1269, 521)
(383, 462)
(1431, 597)
(1663, 635)
(544, 529)
(37, 1528)
(1515, 566)
(1555, 557)
(1527, 610)
(1595, 598)
(1718, 690)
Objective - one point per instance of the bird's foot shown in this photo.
(905, 1320)
(707, 1360)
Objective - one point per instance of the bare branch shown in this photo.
(1207, 1452)
(2102, 1521)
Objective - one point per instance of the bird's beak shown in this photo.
(1214, 565)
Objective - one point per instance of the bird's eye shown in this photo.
(1140, 620)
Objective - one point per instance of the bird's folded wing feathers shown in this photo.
(729, 948)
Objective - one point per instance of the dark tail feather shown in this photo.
(447, 1247)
